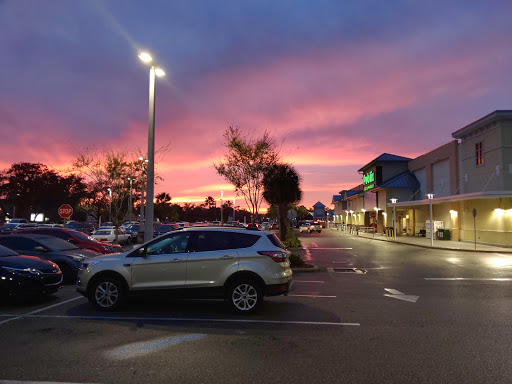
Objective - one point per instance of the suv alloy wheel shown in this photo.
(244, 296)
(107, 293)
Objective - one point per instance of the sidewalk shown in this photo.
(438, 244)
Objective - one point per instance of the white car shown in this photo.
(109, 235)
(310, 227)
(238, 265)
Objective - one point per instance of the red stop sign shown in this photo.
(65, 211)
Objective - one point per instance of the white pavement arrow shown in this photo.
(394, 294)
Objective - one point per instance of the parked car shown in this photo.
(66, 255)
(109, 235)
(8, 228)
(80, 239)
(164, 228)
(18, 221)
(86, 228)
(239, 265)
(265, 226)
(27, 225)
(127, 224)
(132, 231)
(27, 275)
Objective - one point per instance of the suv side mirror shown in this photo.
(142, 252)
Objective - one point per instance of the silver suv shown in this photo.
(239, 265)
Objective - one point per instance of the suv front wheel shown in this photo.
(107, 293)
(244, 295)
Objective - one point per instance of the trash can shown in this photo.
(446, 234)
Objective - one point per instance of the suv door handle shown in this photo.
(176, 260)
(226, 257)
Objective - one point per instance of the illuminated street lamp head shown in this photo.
(145, 57)
(159, 72)
(393, 201)
(141, 158)
(430, 196)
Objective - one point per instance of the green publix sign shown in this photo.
(369, 180)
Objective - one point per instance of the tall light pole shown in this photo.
(234, 209)
(221, 207)
(153, 71)
(430, 197)
(109, 204)
(143, 161)
(130, 207)
(393, 201)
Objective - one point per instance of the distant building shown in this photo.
(318, 211)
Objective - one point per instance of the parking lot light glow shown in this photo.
(159, 72)
(145, 57)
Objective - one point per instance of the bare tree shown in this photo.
(245, 163)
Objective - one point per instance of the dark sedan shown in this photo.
(164, 228)
(80, 239)
(66, 255)
(27, 275)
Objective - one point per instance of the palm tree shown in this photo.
(281, 187)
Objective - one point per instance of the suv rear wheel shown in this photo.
(244, 295)
(107, 293)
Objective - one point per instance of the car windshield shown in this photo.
(134, 227)
(83, 236)
(56, 244)
(4, 251)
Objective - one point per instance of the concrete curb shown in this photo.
(304, 270)
(429, 247)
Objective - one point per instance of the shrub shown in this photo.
(291, 240)
(296, 260)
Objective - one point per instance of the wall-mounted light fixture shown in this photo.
(498, 212)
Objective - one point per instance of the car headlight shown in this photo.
(88, 264)
(23, 271)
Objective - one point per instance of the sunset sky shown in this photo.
(336, 82)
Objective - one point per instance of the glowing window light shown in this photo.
(453, 213)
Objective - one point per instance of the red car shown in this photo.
(80, 239)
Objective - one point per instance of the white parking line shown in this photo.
(37, 311)
(181, 319)
(469, 278)
(309, 296)
(308, 281)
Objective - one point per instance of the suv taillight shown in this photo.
(278, 257)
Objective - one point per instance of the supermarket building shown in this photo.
(468, 181)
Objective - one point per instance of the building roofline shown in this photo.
(491, 117)
(453, 198)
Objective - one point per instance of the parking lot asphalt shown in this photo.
(332, 327)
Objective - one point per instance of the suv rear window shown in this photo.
(275, 240)
(244, 240)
